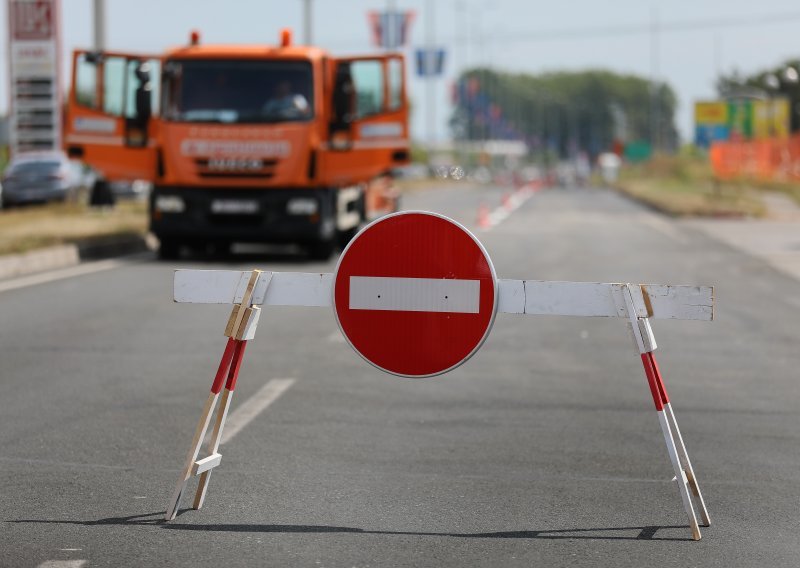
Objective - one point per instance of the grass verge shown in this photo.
(684, 186)
(27, 228)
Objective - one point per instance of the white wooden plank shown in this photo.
(596, 299)
(681, 302)
(274, 289)
(574, 299)
(208, 286)
(533, 297)
(297, 289)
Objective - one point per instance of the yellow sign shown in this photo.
(771, 118)
(711, 113)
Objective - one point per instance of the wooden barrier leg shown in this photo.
(200, 431)
(219, 424)
(646, 342)
(672, 450)
(683, 455)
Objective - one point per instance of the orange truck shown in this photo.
(244, 143)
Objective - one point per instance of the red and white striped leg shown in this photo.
(645, 341)
(200, 431)
(672, 450)
(219, 425)
(683, 455)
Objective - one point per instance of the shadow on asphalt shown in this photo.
(644, 533)
(247, 253)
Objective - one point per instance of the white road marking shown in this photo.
(664, 227)
(503, 212)
(415, 294)
(253, 406)
(71, 272)
(62, 564)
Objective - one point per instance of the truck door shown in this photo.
(110, 113)
(368, 129)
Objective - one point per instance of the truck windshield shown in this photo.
(230, 91)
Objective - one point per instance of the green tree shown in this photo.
(564, 112)
(779, 81)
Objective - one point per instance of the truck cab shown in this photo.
(243, 143)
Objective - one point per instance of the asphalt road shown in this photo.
(543, 450)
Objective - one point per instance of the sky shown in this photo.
(506, 34)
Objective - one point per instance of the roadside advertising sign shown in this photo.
(34, 77)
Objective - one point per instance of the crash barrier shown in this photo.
(767, 160)
(419, 312)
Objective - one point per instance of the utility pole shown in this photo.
(307, 39)
(392, 41)
(99, 25)
(430, 65)
(655, 110)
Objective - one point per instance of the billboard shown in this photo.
(771, 119)
(34, 75)
(742, 119)
(711, 119)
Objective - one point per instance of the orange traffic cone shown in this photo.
(484, 222)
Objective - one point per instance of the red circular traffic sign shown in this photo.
(415, 294)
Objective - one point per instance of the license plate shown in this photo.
(234, 206)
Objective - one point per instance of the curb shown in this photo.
(62, 256)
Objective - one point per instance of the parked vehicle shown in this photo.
(39, 177)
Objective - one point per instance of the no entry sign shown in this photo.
(415, 294)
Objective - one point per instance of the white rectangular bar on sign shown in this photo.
(415, 294)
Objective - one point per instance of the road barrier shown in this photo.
(768, 159)
(415, 294)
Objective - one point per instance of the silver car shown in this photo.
(40, 177)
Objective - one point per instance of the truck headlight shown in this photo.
(170, 204)
(301, 206)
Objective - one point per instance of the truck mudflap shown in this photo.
(349, 208)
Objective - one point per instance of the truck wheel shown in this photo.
(169, 249)
(322, 250)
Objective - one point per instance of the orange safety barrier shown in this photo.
(770, 159)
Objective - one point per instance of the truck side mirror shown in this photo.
(144, 105)
(343, 100)
(343, 112)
